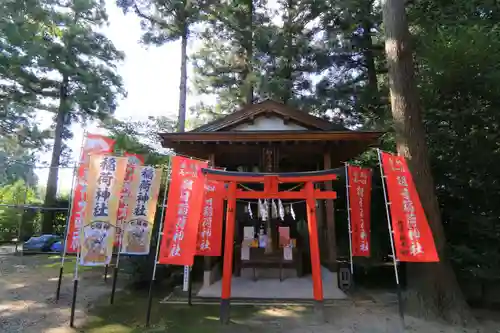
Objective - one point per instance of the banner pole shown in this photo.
(75, 285)
(158, 242)
(68, 216)
(115, 268)
(190, 286)
(391, 235)
(22, 211)
(347, 186)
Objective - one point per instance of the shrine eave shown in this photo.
(171, 140)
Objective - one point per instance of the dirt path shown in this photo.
(27, 294)
(27, 304)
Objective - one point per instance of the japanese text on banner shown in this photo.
(133, 161)
(143, 199)
(360, 183)
(412, 235)
(210, 226)
(105, 180)
(184, 205)
(93, 144)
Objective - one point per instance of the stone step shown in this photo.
(268, 273)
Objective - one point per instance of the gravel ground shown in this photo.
(27, 304)
(27, 294)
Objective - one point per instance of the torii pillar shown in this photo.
(271, 191)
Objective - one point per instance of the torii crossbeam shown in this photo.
(271, 191)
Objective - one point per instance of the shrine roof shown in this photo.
(266, 122)
(269, 107)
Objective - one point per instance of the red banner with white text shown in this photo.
(184, 207)
(210, 228)
(360, 186)
(134, 160)
(412, 234)
(93, 144)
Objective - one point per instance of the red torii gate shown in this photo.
(271, 191)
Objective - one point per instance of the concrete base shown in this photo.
(291, 288)
(209, 277)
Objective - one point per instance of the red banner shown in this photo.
(412, 235)
(360, 186)
(210, 226)
(184, 206)
(133, 161)
(94, 144)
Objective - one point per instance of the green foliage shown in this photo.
(459, 71)
(54, 58)
(10, 217)
(163, 21)
(140, 137)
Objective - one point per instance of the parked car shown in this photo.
(41, 243)
(57, 246)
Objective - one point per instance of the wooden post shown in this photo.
(228, 254)
(330, 215)
(314, 246)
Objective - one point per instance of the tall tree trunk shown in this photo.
(183, 80)
(51, 190)
(248, 80)
(288, 71)
(370, 60)
(432, 288)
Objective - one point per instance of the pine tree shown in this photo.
(68, 68)
(432, 287)
(164, 22)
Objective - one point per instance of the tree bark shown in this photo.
(432, 287)
(51, 190)
(183, 81)
(288, 70)
(248, 46)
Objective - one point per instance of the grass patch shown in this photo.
(128, 315)
(69, 265)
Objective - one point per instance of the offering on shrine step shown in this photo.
(284, 233)
(262, 239)
(287, 253)
(245, 253)
(248, 232)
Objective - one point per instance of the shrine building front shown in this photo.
(271, 236)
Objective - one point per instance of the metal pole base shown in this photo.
(73, 304)
(224, 311)
(113, 289)
(106, 273)
(319, 312)
(150, 303)
(59, 281)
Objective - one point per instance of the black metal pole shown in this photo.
(73, 304)
(150, 302)
(157, 253)
(400, 303)
(59, 281)
(106, 273)
(190, 287)
(113, 289)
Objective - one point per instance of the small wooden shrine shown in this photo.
(272, 137)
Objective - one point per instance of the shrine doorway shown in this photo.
(271, 191)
